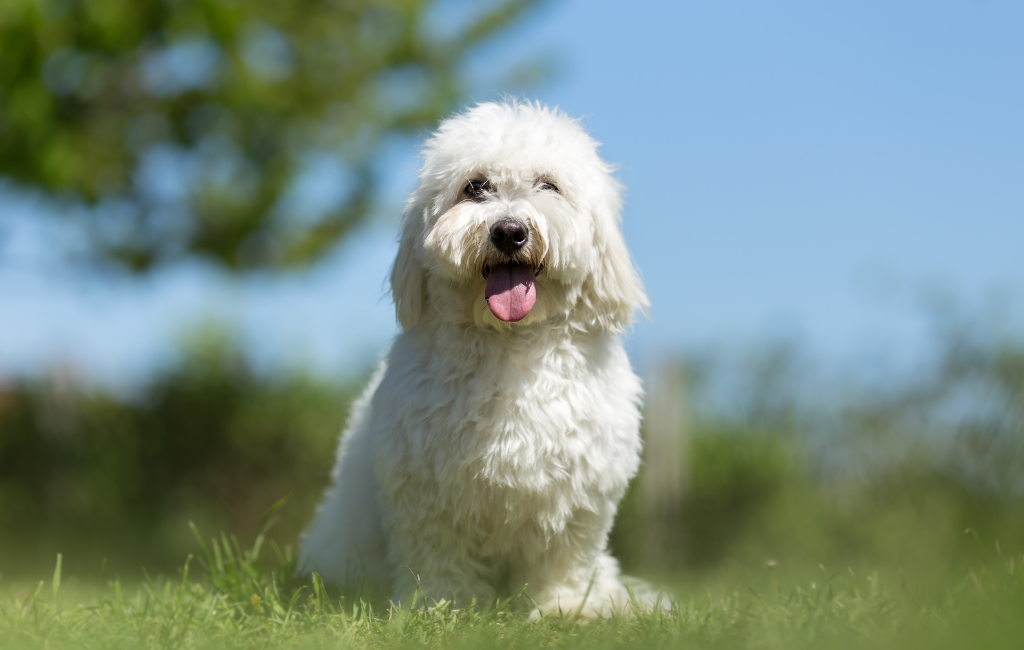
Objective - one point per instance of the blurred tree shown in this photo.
(188, 125)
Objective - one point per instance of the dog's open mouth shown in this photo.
(511, 291)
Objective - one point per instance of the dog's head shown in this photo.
(515, 220)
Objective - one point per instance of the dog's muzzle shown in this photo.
(510, 270)
(512, 263)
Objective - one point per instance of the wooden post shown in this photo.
(664, 477)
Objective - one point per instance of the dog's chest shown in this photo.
(505, 442)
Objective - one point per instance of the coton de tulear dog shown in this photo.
(497, 437)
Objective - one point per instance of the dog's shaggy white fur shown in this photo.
(496, 439)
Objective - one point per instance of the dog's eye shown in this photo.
(476, 189)
(548, 185)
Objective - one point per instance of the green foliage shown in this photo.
(237, 99)
(886, 478)
(209, 440)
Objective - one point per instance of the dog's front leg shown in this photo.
(587, 589)
(572, 574)
(435, 561)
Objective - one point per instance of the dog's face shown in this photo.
(515, 221)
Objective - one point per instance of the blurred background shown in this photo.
(198, 209)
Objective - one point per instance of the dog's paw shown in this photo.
(626, 597)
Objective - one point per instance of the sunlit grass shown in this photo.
(230, 596)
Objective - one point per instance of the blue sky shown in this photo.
(795, 170)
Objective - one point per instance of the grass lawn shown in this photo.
(229, 598)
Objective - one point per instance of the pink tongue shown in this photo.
(510, 291)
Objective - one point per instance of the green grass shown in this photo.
(231, 597)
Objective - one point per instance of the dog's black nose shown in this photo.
(509, 235)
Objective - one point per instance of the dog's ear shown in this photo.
(408, 276)
(613, 291)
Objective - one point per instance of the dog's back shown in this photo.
(345, 544)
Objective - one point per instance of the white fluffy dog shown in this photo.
(497, 437)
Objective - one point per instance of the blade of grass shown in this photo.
(56, 580)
